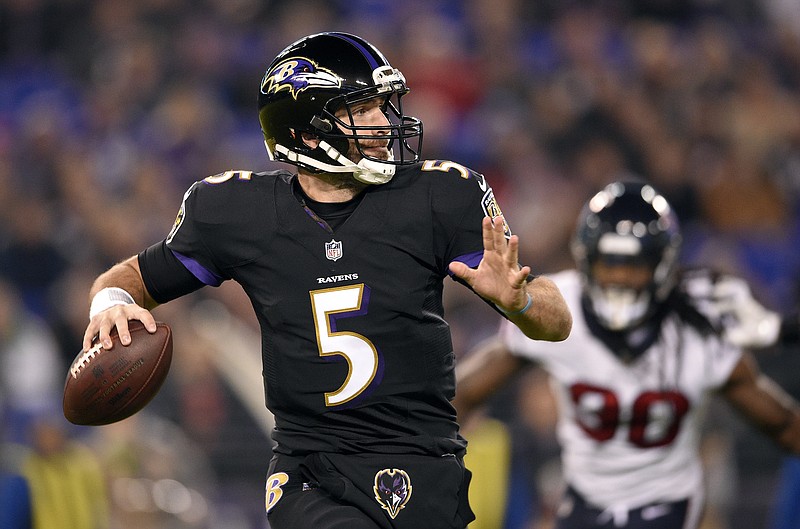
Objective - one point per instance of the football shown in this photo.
(108, 385)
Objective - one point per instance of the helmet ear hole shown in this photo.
(310, 141)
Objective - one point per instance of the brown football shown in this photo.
(108, 385)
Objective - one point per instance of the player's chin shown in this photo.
(382, 155)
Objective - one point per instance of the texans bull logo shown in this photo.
(392, 490)
(297, 74)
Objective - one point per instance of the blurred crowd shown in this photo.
(110, 109)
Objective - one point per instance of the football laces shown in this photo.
(84, 359)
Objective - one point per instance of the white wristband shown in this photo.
(107, 298)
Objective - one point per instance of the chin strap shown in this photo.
(366, 171)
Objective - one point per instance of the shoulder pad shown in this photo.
(455, 169)
(226, 176)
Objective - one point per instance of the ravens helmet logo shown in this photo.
(296, 74)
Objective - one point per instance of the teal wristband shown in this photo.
(520, 311)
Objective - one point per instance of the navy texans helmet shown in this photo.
(628, 222)
(312, 79)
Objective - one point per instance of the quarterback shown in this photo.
(344, 262)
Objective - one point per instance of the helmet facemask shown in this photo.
(402, 133)
(640, 285)
(619, 308)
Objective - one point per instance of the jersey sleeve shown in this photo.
(461, 199)
(188, 238)
(165, 276)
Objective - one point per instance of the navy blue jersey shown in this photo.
(357, 355)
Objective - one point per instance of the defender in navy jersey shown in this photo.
(344, 264)
(649, 345)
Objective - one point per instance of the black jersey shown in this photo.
(357, 355)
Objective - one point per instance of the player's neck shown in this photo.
(330, 187)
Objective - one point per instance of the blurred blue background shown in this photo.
(110, 109)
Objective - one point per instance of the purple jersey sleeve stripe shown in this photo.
(199, 271)
(472, 260)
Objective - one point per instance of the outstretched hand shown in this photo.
(498, 277)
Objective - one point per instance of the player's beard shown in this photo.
(345, 181)
(372, 148)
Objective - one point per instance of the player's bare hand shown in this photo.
(498, 277)
(117, 316)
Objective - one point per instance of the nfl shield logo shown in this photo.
(333, 250)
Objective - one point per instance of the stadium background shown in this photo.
(110, 109)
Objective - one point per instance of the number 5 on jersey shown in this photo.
(328, 305)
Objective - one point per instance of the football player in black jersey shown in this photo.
(344, 264)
